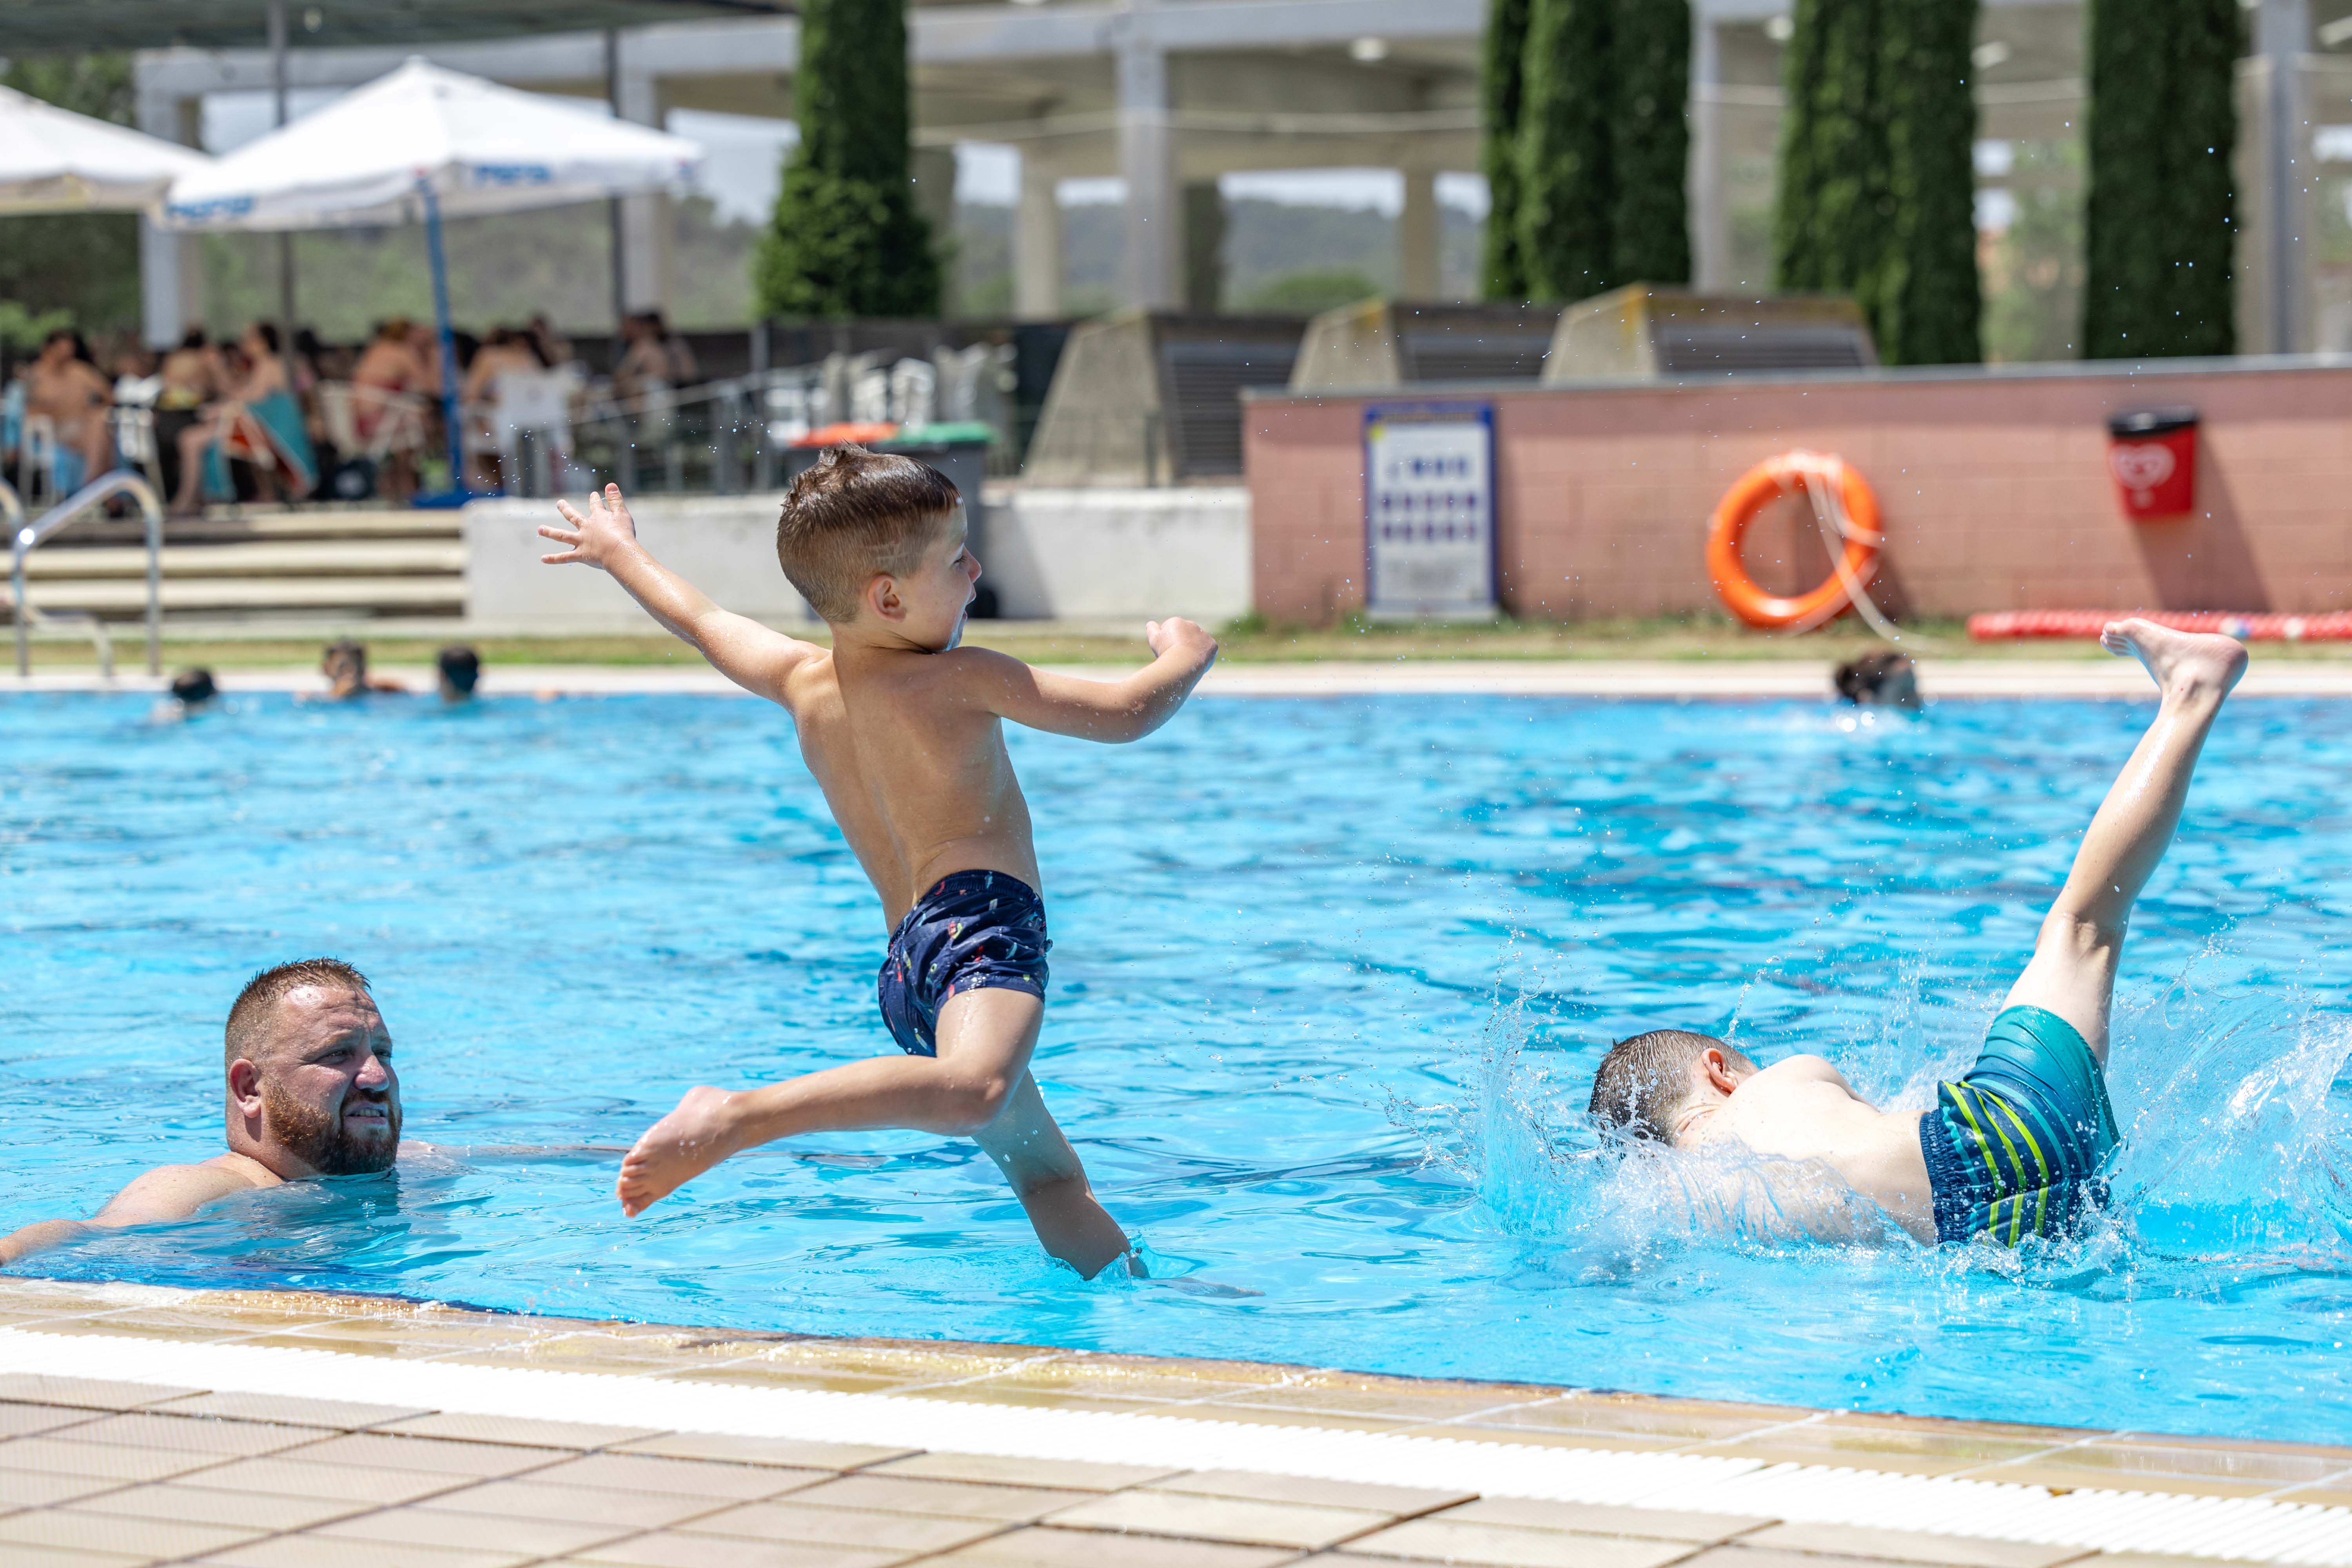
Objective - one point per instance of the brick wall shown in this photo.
(1993, 489)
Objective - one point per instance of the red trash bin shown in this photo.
(2153, 456)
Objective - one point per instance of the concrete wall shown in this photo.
(1050, 554)
(1994, 490)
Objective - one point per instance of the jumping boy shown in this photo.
(2015, 1148)
(903, 730)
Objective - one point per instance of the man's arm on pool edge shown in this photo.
(165, 1193)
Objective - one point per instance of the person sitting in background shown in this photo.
(555, 347)
(192, 373)
(66, 386)
(259, 423)
(508, 350)
(460, 669)
(1880, 679)
(390, 374)
(653, 359)
(344, 663)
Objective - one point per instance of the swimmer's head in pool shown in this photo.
(1646, 1080)
(311, 1089)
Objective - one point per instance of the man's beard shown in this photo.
(321, 1141)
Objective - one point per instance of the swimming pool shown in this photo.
(1329, 979)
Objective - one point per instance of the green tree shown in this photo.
(86, 264)
(846, 239)
(1506, 36)
(1566, 183)
(1649, 216)
(2160, 214)
(1877, 196)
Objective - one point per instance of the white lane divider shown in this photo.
(2245, 1529)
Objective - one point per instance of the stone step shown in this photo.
(98, 533)
(317, 558)
(126, 597)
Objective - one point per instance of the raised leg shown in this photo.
(1045, 1175)
(2073, 972)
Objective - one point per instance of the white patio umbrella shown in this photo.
(421, 144)
(55, 160)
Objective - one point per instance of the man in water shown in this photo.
(310, 1092)
(2014, 1148)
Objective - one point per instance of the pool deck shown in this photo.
(140, 1425)
(1694, 679)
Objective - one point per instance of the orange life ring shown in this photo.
(1758, 488)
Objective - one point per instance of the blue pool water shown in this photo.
(1330, 980)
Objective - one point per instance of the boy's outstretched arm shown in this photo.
(1113, 710)
(751, 656)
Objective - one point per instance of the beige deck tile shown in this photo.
(1886, 1446)
(1397, 1502)
(332, 1552)
(1910, 1546)
(905, 1361)
(1596, 1519)
(1501, 1429)
(948, 1499)
(2066, 1478)
(1041, 1399)
(37, 1488)
(1048, 1548)
(578, 1436)
(473, 1531)
(286, 1410)
(189, 1434)
(196, 1504)
(30, 1420)
(991, 1469)
(679, 1477)
(2336, 1494)
(2146, 1560)
(58, 1557)
(1120, 1381)
(106, 1461)
(130, 1536)
(790, 1453)
(1944, 1435)
(372, 1449)
(1773, 1453)
(197, 1319)
(1208, 1369)
(2280, 1464)
(759, 1375)
(1691, 1421)
(576, 1505)
(1503, 1546)
(1738, 1556)
(1260, 1415)
(1237, 1519)
(788, 1521)
(349, 1483)
(664, 1549)
(84, 1392)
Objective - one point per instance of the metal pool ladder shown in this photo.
(28, 537)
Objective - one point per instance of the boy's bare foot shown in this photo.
(2185, 664)
(677, 1149)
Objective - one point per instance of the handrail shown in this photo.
(28, 537)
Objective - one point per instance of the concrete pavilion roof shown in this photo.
(73, 26)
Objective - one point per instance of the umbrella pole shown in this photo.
(449, 339)
(286, 238)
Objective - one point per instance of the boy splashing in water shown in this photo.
(903, 730)
(2015, 1148)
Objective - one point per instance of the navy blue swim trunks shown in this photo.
(975, 931)
(2015, 1148)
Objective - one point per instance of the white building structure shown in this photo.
(1162, 93)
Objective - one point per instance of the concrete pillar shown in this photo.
(646, 221)
(171, 269)
(1417, 236)
(1038, 243)
(1710, 239)
(2281, 37)
(1146, 159)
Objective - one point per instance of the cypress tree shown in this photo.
(1649, 216)
(1507, 38)
(1878, 194)
(2160, 214)
(1566, 182)
(847, 238)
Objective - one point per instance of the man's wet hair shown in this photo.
(1645, 1079)
(854, 514)
(345, 649)
(461, 666)
(248, 1015)
(1875, 677)
(195, 688)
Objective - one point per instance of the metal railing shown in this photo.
(28, 537)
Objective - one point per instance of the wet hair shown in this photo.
(1876, 677)
(195, 686)
(395, 330)
(267, 334)
(855, 514)
(344, 647)
(193, 337)
(461, 666)
(250, 1015)
(1645, 1079)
